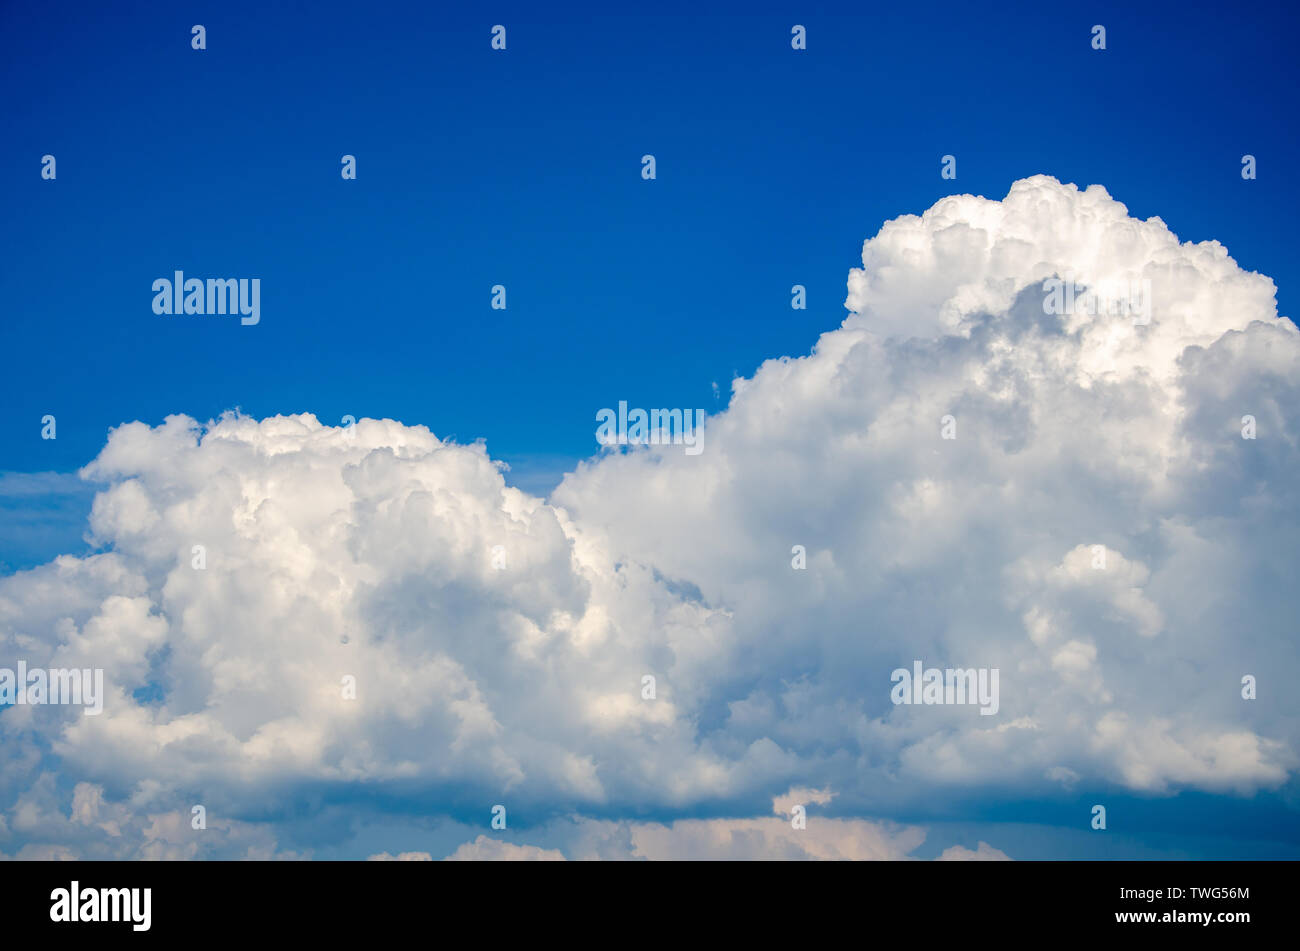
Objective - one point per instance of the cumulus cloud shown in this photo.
(768, 838)
(95, 828)
(750, 839)
(1072, 431)
(982, 853)
(400, 857)
(484, 849)
(249, 571)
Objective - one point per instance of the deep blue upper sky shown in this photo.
(523, 168)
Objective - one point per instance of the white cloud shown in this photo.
(1071, 432)
(368, 553)
(983, 852)
(782, 805)
(400, 857)
(97, 829)
(484, 849)
(761, 838)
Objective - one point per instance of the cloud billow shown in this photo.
(498, 641)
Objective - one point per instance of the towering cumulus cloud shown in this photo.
(1097, 529)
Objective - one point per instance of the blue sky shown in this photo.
(522, 168)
